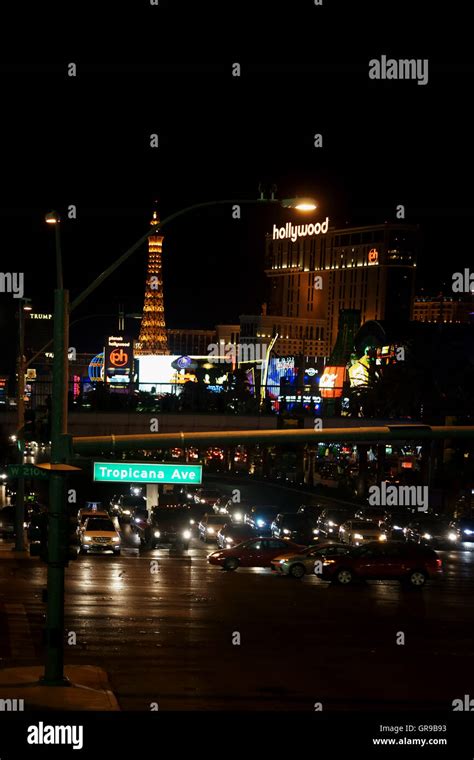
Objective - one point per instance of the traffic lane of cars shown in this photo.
(406, 562)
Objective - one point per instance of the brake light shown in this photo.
(438, 562)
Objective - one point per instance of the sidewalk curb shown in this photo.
(89, 689)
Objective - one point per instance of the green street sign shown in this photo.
(26, 471)
(143, 472)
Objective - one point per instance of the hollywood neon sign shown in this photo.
(294, 231)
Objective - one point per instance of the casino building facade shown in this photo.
(313, 277)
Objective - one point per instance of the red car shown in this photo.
(258, 552)
(409, 563)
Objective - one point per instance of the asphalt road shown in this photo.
(166, 632)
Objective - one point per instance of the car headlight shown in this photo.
(137, 519)
(383, 537)
(358, 536)
(116, 539)
(466, 531)
(331, 524)
(238, 516)
(328, 561)
(210, 530)
(315, 532)
(427, 536)
(192, 522)
(87, 538)
(261, 523)
(187, 534)
(203, 501)
(157, 534)
(126, 511)
(229, 540)
(452, 536)
(286, 531)
(397, 527)
(282, 561)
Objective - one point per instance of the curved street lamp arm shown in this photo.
(153, 231)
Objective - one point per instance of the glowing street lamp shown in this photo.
(52, 217)
(300, 204)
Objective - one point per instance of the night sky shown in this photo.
(85, 141)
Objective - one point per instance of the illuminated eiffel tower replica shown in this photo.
(153, 339)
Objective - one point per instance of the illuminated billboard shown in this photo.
(281, 371)
(166, 374)
(118, 359)
(359, 374)
(330, 385)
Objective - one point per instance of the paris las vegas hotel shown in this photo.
(315, 276)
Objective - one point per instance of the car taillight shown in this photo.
(439, 563)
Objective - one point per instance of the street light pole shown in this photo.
(54, 666)
(20, 405)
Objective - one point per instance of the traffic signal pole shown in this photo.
(54, 666)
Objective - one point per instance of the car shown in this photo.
(84, 514)
(258, 552)
(237, 510)
(196, 512)
(114, 508)
(330, 520)
(297, 565)
(167, 527)
(396, 524)
(357, 532)
(127, 504)
(207, 496)
(99, 534)
(231, 534)
(374, 514)
(220, 507)
(261, 517)
(312, 511)
(139, 517)
(210, 525)
(293, 527)
(464, 527)
(407, 562)
(7, 522)
(432, 530)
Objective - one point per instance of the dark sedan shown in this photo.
(297, 528)
(409, 563)
(232, 535)
(257, 552)
(331, 519)
(432, 531)
(261, 518)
